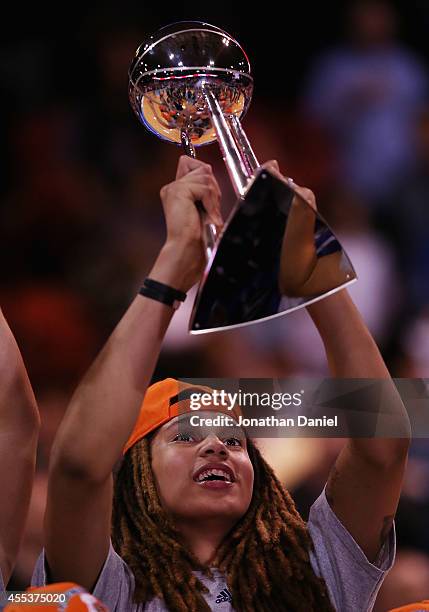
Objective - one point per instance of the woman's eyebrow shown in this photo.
(180, 420)
(170, 424)
(231, 429)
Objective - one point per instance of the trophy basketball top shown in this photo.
(167, 76)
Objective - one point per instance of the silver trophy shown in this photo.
(190, 84)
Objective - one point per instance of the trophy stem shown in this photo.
(243, 143)
(209, 229)
(187, 145)
(233, 158)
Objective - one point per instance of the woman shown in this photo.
(240, 538)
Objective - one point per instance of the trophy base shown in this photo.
(240, 284)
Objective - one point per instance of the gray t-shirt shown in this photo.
(352, 581)
(2, 590)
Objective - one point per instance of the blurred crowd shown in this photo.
(81, 224)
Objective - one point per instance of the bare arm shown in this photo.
(104, 408)
(298, 258)
(19, 428)
(365, 483)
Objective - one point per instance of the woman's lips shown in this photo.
(215, 484)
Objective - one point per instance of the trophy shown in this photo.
(190, 84)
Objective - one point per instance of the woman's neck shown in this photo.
(203, 538)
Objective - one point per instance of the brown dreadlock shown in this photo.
(265, 558)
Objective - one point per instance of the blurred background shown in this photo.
(341, 100)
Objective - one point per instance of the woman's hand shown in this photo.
(194, 183)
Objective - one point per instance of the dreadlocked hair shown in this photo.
(265, 557)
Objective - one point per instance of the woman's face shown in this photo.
(202, 471)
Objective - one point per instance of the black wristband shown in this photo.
(162, 293)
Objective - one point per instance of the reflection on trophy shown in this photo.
(190, 84)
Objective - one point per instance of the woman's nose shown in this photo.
(213, 446)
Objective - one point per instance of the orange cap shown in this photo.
(66, 596)
(164, 401)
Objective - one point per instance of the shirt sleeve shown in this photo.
(352, 581)
(114, 586)
(2, 592)
(325, 241)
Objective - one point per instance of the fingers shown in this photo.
(187, 164)
(273, 165)
(211, 203)
(200, 178)
(203, 174)
(194, 187)
(206, 190)
(302, 192)
(194, 167)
